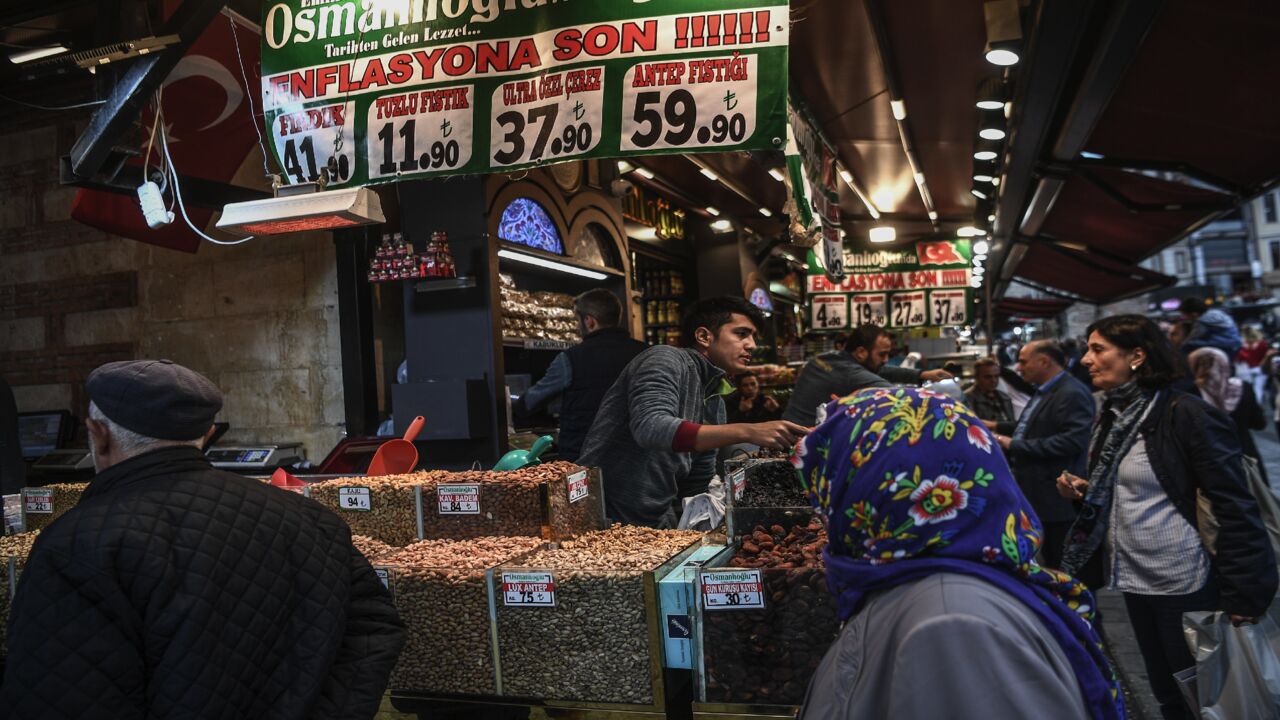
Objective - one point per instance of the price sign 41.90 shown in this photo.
(420, 132)
(707, 102)
(306, 140)
(546, 118)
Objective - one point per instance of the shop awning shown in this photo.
(1164, 120)
(1087, 274)
(1032, 308)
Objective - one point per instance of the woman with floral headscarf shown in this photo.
(932, 561)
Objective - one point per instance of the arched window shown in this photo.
(525, 222)
(596, 246)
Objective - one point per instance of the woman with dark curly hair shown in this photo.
(1153, 450)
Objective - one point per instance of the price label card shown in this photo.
(733, 590)
(829, 312)
(529, 589)
(549, 117)
(578, 487)
(685, 104)
(907, 309)
(458, 499)
(305, 140)
(420, 132)
(384, 576)
(868, 309)
(357, 499)
(737, 483)
(948, 307)
(38, 500)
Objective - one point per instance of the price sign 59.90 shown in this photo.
(706, 102)
(420, 132)
(306, 140)
(550, 117)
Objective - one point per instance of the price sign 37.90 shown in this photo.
(707, 102)
(546, 118)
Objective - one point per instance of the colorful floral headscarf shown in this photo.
(911, 483)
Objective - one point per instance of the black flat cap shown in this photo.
(155, 398)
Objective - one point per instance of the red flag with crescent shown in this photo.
(210, 127)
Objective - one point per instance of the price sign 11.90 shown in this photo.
(549, 117)
(707, 102)
(420, 132)
(307, 139)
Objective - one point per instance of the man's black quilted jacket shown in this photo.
(174, 590)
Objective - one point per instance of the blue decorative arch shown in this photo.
(525, 222)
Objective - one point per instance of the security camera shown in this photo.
(620, 187)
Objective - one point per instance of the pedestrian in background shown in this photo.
(1051, 435)
(1232, 395)
(581, 375)
(1210, 327)
(932, 564)
(1250, 358)
(176, 590)
(747, 404)
(985, 398)
(1153, 450)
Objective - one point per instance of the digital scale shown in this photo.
(251, 458)
(67, 460)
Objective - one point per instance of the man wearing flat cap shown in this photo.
(176, 590)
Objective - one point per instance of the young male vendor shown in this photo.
(658, 429)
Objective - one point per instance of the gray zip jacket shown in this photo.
(631, 439)
(837, 373)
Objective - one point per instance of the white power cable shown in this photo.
(177, 192)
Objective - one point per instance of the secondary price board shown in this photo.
(458, 499)
(529, 589)
(732, 590)
(829, 312)
(377, 91)
(925, 284)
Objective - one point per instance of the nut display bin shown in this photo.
(379, 507)
(557, 509)
(755, 653)
(738, 476)
(595, 643)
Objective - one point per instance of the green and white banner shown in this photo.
(924, 285)
(419, 88)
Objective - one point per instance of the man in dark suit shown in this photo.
(1051, 435)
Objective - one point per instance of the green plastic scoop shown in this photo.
(516, 459)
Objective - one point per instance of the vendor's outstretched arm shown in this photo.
(777, 434)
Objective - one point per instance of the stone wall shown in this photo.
(260, 319)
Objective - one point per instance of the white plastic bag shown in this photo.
(1237, 668)
(705, 511)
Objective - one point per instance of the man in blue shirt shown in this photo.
(1051, 435)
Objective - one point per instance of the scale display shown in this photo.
(255, 457)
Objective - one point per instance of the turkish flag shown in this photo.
(938, 253)
(210, 127)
